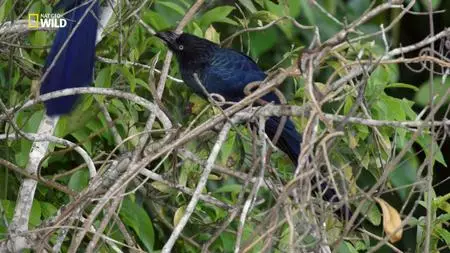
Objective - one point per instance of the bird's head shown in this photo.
(186, 44)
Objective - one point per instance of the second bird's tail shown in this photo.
(71, 64)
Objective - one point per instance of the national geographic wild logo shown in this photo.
(46, 20)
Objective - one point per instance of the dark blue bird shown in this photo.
(227, 72)
(74, 65)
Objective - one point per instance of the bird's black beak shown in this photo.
(169, 37)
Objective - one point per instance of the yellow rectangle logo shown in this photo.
(33, 20)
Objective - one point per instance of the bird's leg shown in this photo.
(211, 98)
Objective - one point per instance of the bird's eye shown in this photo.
(180, 47)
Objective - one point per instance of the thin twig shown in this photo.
(201, 184)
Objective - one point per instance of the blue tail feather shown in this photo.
(75, 64)
(289, 140)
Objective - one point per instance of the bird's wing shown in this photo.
(229, 72)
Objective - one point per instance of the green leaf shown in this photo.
(372, 211)
(228, 148)
(363, 131)
(248, 5)
(137, 218)
(404, 175)
(156, 20)
(227, 239)
(420, 231)
(280, 11)
(8, 207)
(82, 136)
(308, 12)
(48, 209)
(402, 85)
(218, 14)
(129, 77)
(407, 107)
(232, 188)
(79, 180)
(294, 7)
(173, 6)
(5, 9)
(263, 41)
(197, 29)
(136, 42)
(39, 39)
(184, 172)
(264, 16)
(346, 247)
(423, 96)
(103, 79)
(425, 142)
(443, 205)
(87, 105)
(28, 123)
(444, 234)
(35, 214)
(443, 218)
(441, 202)
(143, 84)
(348, 104)
(360, 246)
(331, 6)
(78, 119)
(394, 107)
(380, 78)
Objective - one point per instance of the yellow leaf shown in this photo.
(161, 187)
(197, 104)
(214, 177)
(352, 141)
(212, 35)
(391, 221)
(178, 214)
(35, 86)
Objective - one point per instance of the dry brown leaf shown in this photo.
(391, 221)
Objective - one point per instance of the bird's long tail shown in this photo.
(289, 142)
(70, 62)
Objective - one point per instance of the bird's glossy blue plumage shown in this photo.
(74, 65)
(227, 72)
